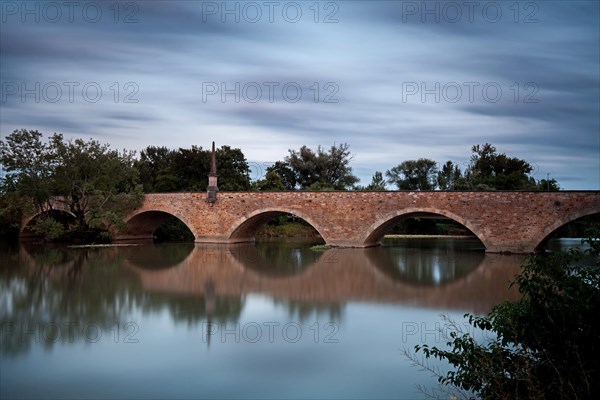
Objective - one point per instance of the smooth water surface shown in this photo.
(271, 320)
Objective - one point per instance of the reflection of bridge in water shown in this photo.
(471, 281)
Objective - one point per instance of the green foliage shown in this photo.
(164, 170)
(285, 173)
(377, 183)
(96, 184)
(546, 344)
(155, 170)
(29, 164)
(272, 182)
(320, 169)
(548, 185)
(449, 176)
(429, 226)
(233, 169)
(49, 228)
(288, 229)
(490, 170)
(10, 213)
(418, 174)
(173, 230)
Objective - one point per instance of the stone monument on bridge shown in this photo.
(211, 191)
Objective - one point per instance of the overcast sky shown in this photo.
(396, 80)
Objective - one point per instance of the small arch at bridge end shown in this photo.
(143, 226)
(64, 217)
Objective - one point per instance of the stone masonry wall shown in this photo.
(504, 221)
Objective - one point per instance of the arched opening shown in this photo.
(565, 235)
(422, 226)
(50, 223)
(282, 242)
(157, 226)
(276, 224)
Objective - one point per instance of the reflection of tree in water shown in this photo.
(276, 258)
(63, 286)
(304, 311)
(427, 262)
(194, 309)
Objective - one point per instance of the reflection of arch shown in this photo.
(275, 259)
(377, 230)
(434, 265)
(143, 224)
(245, 228)
(541, 240)
(62, 216)
(154, 257)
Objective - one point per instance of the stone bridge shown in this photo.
(514, 222)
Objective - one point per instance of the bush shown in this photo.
(49, 228)
(546, 344)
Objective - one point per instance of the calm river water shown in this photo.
(271, 320)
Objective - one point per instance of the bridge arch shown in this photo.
(59, 215)
(543, 237)
(245, 228)
(383, 224)
(143, 224)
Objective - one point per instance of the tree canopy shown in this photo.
(316, 170)
(487, 170)
(96, 184)
(165, 170)
(377, 182)
(491, 170)
(418, 174)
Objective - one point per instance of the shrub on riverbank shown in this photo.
(546, 344)
(288, 229)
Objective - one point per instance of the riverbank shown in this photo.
(291, 229)
(407, 236)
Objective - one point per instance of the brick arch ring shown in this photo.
(245, 227)
(549, 229)
(378, 229)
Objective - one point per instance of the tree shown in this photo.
(164, 170)
(272, 182)
(377, 182)
(285, 173)
(414, 175)
(29, 164)
(549, 185)
(545, 345)
(191, 167)
(322, 169)
(448, 176)
(97, 185)
(489, 170)
(155, 167)
(232, 168)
